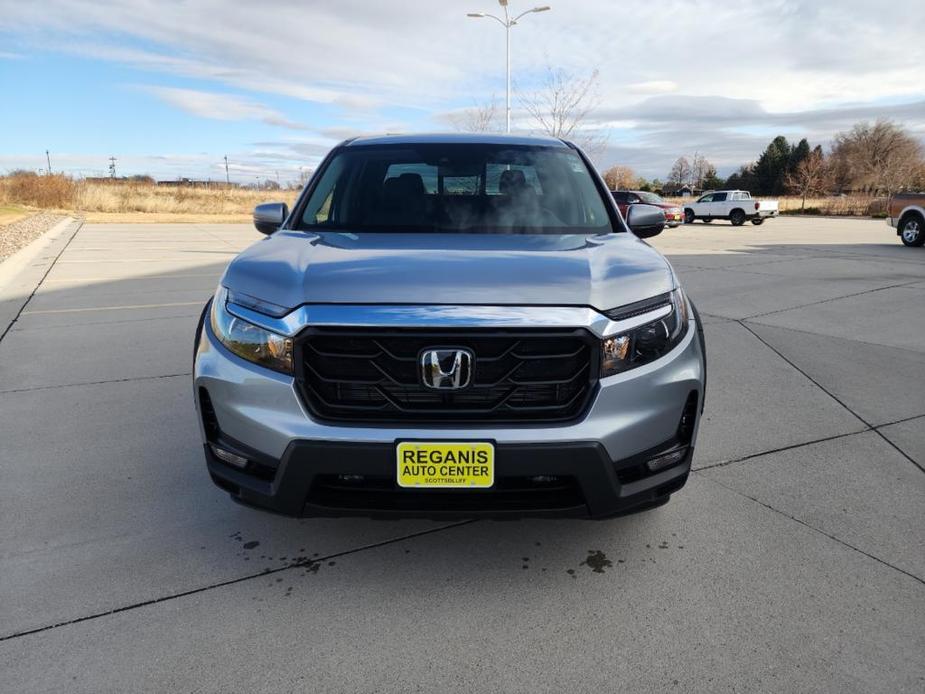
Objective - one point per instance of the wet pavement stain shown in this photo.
(597, 561)
(251, 544)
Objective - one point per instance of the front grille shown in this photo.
(358, 374)
(508, 494)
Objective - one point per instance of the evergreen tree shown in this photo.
(743, 179)
(771, 167)
(797, 155)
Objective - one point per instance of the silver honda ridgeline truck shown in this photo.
(457, 325)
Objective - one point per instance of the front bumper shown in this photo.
(673, 220)
(568, 479)
(305, 467)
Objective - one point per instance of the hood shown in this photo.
(293, 268)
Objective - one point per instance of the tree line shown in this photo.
(878, 158)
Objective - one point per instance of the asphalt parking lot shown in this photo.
(794, 559)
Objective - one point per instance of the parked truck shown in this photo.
(735, 205)
(906, 214)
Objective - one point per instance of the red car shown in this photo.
(624, 198)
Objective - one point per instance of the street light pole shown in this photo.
(507, 91)
(507, 23)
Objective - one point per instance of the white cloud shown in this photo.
(653, 87)
(786, 64)
(220, 106)
(784, 52)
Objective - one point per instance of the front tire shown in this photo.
(737, 217)
(912, 230)
(758, 221)
(688, 216)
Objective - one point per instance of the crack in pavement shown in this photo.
(95, 383)
(736, 268)
(232, 581)
(817, 530)
(751, 456)
(826, 301)
(917, 353)
(832, 395)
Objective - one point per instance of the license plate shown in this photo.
(445, 464)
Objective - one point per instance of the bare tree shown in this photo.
(561, 107)
(620, 178)
(813, 176)
(701, 169)
(680, 174)
(480, 118)
(878, 158)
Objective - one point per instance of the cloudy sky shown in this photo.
(169, 88)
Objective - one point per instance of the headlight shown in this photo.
(249, 341)
(649, 341)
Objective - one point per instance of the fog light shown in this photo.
(228, 456)
(667, 459)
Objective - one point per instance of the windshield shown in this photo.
(650, 198)
(473, 188)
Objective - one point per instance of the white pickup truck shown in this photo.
(735, 205)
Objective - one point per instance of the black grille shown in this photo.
(508, 494)
(522, 375)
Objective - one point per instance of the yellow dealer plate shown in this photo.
(445, 464)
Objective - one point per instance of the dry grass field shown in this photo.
(131, 201)
(839, 206)
(124, 201)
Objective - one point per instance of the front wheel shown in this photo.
(737, 218)
(688, 216)
(911, 231)
(758, 221)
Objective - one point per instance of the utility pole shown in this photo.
(112, 167)
(48, 159)
(227, 180)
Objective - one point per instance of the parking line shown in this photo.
(111, 308)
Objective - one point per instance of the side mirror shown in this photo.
(645, 220)
(270, 216)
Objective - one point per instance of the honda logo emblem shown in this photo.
(446, 369)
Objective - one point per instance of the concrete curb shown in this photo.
(23, 272)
